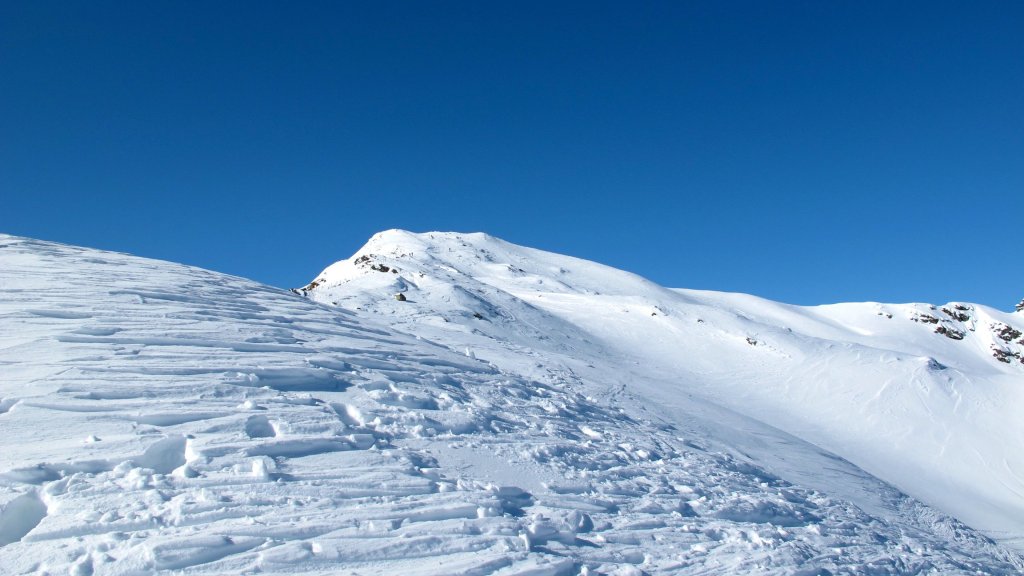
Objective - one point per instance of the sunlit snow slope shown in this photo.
(926, 397)
(158, 418)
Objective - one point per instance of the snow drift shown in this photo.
(517, 413)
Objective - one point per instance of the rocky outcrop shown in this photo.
(367, 260)
(305, 289)
(956, 321)
(1014, 340)
(951, 333)
(1006, 355)
(959, 312)
(1006, 333)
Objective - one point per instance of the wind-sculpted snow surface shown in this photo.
(159, 418)
(922, 396)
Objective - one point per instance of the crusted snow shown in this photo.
(518, 413)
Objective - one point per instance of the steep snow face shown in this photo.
(923, 396)
(159, 418)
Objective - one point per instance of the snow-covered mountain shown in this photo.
(512, 412)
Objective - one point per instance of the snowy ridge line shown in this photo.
(184, 434)
(919, 395)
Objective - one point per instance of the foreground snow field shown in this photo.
(517, 412)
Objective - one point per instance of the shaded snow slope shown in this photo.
(159, 418)
(925, 397)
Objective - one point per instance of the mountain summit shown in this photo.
(514, 412)
(920, 395)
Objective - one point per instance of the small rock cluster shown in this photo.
(367, 260)
(951, 333)
(952, 325)
(958, 313)
(1006, 333)
(1006, 355)
(307, 288)
(1010, 335)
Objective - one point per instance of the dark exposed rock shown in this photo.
(950, 333)
(958, 313)
(367, 259)
(925, 318)
(1005, 332)
(1020, 306)
(400, 297)
(1005, 355)
(307, 288)
(751, 341)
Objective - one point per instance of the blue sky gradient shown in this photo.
(808, 152)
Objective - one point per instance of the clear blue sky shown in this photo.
(808, 152)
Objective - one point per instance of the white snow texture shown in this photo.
(513, 412)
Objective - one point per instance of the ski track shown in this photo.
(161, 418)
